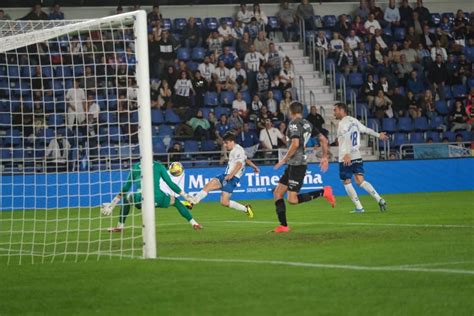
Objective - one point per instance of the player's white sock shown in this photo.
(237, 206)
(370, 189)
(353, 195)
(193, 222)
(120, 225)
(200, 195)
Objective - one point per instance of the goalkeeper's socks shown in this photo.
(124, 212)
(193, 222)
(281, 211)
(353, 195)
(200, 195)
(370, 189)
(309, 196)
(120, 225)
(237, 206)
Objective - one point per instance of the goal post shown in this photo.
(75, 117)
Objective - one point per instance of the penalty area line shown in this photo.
(319, 265)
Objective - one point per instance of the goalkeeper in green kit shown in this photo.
(162, 200)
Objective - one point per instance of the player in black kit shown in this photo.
(298, 133)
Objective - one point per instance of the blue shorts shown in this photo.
(346, 172)
(228, 186)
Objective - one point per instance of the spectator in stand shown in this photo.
(414, 108)
(243, 45)
(377, 55)
(394, 54)
(363, 58)
(305, 12)
(287, 75)
(269, 137)
(439, 50)
(238, 29)
(378, 38)
(415, 85)
(460, 30)
(192, 34)
(4, 16)
(362, 10)
(252, 61)
(261, 43)
(322, 42)
(427, 103)
(437, 76)
(416, 23)
(358, 26)
(36, 14)
(235, 120)
(372, 24)
(182, 90)
(400, 103)
(392, 15)
(382, 105)
(441, 36)
(222, 78)
(57, 152)
(119, 10)
(335, 45)
(260, 16)
(244, 15)
(166, 48)
(228, 34)
(353, 40)
(75, 100)
(424, 56)
(406, 13)
(274, 59)
(288, 24)
(272, 107)
(253, 28)
(385, 86)
(238, 77)
(369, 90)
(470, 108)
(240, 105)
(459, 118)
(200, 126)
(412, 37)
(346, 60)
(411, 56)
(228, 57)
(56, 13)
(207, 70)
(154, 17)
(92, 110)
(316, 120)
(248, 139)
(285, 104)
(165, 94)
(200, 88)
(214, 43)
(263, 82)
(423, 13)
(342, 26)
(376, 11)
(176, 152)
(427, 38)
(255, 108)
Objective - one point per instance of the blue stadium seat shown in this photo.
(329, 21)
(466, 136)
(328, 34)
(374, 124)
(221, 110)
(405, 124)
(451, 136)
(399, 139)
(469, 53)
(198, 22)
(211, 24)
(56, 120)
(442, 107)
(210, 99)
(355, 79)
(330, 63)
(459, 90)
(449, 15)
(5, 120)
(246, 97)
(417, 138)
(421, 124)
(387, 31)
(434, 136)
(183, 54)
(277, 95)
(158, 145)
(198, 54)
(165, 130)
(228, 20)
(447, 92)
(191, 146)
(157, 117)
(389, 125)
(166, 24)
(399, 33)
(227, 97)
(179, 24)
(208, 145)
(13, 71)
(171, 117)
(115, 135)
(205, 112)
(435, 18)
(192, 66)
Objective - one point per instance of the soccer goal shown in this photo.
(74, 118)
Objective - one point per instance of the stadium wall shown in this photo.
(184, 11)
(84, 189)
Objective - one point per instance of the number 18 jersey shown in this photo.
(301, 129)
(348, 137)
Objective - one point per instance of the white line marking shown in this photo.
(319, 265)
(432, 264)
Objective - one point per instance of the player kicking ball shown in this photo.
(350, 159)
(231, 177)
(162, 200)
(298, 133)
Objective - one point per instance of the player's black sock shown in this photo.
(305, 197)
(281, 211)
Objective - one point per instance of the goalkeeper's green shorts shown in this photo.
(161, 200)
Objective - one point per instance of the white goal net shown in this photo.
(74, 118)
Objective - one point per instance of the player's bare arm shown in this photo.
(295, 143)
(252, 165)
(324, 164)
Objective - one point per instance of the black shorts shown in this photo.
(293, 177)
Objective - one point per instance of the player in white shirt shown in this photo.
(350, 159)
(231, 177)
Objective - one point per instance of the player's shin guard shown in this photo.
(309, 196)
(200, 195)
(370, 189)
(182, 210)
(351, 192)
(281, 211)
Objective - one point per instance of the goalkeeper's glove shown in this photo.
(107, 208)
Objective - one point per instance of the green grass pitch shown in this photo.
(415, 259)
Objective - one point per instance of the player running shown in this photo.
(162, 200)
(298, 133)
(231, 177)
(350, 159)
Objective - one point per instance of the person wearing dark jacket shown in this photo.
(36, 14)
(427, 39)
(437, 76)
(192, 34)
